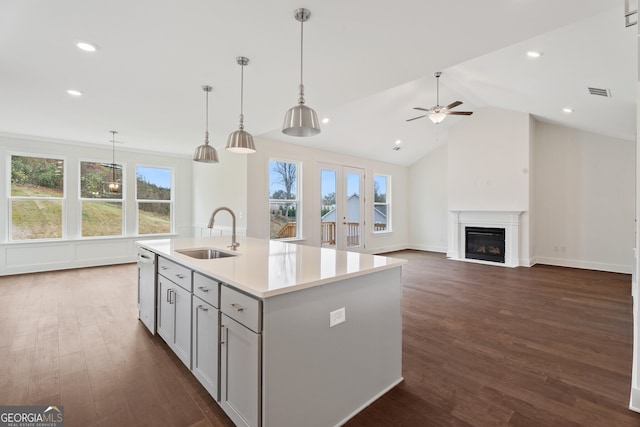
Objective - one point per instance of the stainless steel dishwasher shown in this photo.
(147, 288)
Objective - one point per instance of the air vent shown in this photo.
(600, 92)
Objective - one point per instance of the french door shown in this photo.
(341, 207)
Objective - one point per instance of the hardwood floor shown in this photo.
(482, 345)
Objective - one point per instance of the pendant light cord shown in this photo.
(301, 97)
(113, 156)
(242, 96)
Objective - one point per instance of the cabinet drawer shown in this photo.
(206, 288)
(243, 308)
(175, 272)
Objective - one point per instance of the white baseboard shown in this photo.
(587, 265)
(428, 248)
(634, 402)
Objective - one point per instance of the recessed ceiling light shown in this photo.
(87, 47)
(567, 110)
(325, 120)
(74, 92)
(534, 54)
(398, 141)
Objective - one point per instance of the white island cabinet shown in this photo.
(284, 334)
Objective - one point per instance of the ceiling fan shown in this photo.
(438, 113)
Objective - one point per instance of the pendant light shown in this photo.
(241, 141)
(206, 153)
(114, 186)
(301, 120)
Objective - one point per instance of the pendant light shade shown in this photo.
(241, 141)
(301, 120)
(206, 153)
(113, 185)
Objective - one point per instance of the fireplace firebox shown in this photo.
(487, 244)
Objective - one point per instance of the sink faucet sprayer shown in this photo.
(234, 244)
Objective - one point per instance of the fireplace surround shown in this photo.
(509, 221)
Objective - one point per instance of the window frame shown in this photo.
(122, 200)
(171, 200)
(387, 203)
(297, 200)
(11, 198)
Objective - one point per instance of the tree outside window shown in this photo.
(283, 200)
(37, 198)
(154, 198)
(102, 208)
(381, 204)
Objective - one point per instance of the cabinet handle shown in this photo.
(221, 334)
(236, 307)
(203, 308)
(203, 289)
(164, 267)
(171, 294)
(168, 297)
(180, 276)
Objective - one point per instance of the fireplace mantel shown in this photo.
(509, 220)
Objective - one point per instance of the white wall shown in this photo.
(310, 155)
(428, 211)
(75, 251)
(584, 200)
(220, 184)
(488, 166)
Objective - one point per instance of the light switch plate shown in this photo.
(336, 317)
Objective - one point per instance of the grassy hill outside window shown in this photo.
(37, 199)
(102, 208)
(155, 200)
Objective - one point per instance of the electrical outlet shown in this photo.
(336, 317)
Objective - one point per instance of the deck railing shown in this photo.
(288, 231)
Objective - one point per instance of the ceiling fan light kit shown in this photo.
(301, 120)
(438, 113)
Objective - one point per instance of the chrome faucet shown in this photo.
(234, 243)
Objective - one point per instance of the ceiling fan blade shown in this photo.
(459, 113)
(453, 105)
(422, 109)
(419, 117)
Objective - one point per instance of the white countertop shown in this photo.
(266, 268)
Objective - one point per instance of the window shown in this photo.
(37, 198)
(155, 201)
(101, 201)
(381, 204)
(284, 202)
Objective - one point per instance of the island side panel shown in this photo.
(316, 375)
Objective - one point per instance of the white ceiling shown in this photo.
(365, 68)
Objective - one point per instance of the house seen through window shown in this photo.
(381, 204)
(284, 202)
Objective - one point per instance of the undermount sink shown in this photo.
(206, 253)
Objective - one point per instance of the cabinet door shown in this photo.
(166, 310)
(205, 350)
(182, 324)
(240, 373)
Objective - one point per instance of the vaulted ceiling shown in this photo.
(365, 66)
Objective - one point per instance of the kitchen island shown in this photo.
(282, 334)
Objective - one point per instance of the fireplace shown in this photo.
(485, 243)
(508, 221)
